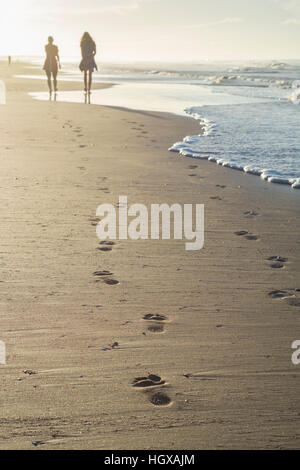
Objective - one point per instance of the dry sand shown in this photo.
(224, 347)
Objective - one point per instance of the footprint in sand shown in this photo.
(156, 322)
(150, 316)
(241, 233)
(222, 186)
(106, 245)
(193, 167)
(105, 190)
(156, 328)
(104, 276)
(251, 213)
(94, 221)
(102, 273)
(160, 399)
(276, 265)
(277, 262)
(290, 296)
(283, 294)
(247, 235)
(217, 198)
(111, 282)
(38, 443)
(252, 237)
(279, 294)
(151, 380)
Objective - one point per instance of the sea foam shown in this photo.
(261, 139)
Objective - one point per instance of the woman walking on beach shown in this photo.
(52, 63)
(88, 64)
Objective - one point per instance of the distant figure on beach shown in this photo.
(52, 63)
(9, 60)
(88, 64)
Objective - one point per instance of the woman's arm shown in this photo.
(58, 58)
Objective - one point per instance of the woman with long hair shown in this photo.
(88, 64)
(52, 63)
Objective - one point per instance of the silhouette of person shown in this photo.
(52, 63)
(88, 64)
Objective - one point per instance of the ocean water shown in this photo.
(250, 112)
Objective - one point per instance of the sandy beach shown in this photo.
(209, 325)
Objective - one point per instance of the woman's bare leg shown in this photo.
(49, 81)
(55, 80)
(85, 80)
(90, 80)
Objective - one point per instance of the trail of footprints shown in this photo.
(155, 324)
(140, 128)
(152, 382)
(194, 167)
(77, 131)
(104, 275)
(290, 295)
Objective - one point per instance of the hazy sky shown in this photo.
(155, 29)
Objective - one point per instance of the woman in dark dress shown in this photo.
(52, 63)
(88, 64)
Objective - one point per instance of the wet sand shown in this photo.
(203, 332)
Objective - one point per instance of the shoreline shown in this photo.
(181, 146)
(223, 344)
